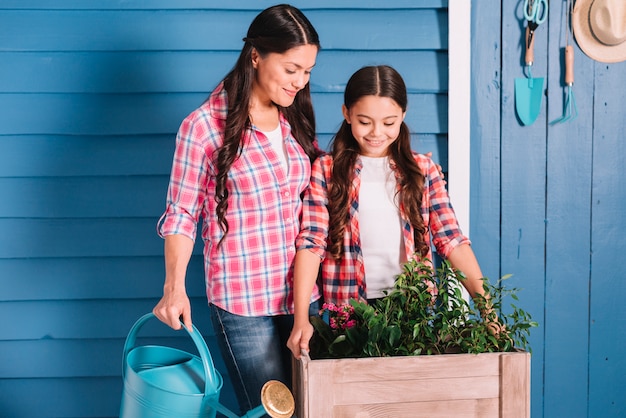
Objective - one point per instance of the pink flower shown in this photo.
(341, 317)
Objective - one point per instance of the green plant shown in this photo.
(424, 313)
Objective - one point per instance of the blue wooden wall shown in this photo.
(550, 200)
(91, 96)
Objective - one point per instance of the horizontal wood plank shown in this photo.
(153, 114)
(426, 113)
(213, 4)
(72, 319)
(61, 397)
(417, 367)
(94, 114)
(465, 408)
(77, 197)
(53, 155)
(88, 357)
(96, 237)
(93, 397)
(432, 389)
(219, 30)
(148, 155)
(115, 72)
(91, 278)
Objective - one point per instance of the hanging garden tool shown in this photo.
(570, 111)
(529, 90)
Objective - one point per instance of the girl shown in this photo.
(371, 205)
(242, 161)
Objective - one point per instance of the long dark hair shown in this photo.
(381, 81)
(275, 30)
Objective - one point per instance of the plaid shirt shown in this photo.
(251, 273)
(345, 279)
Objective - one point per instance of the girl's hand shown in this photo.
(299, 339)
(495, 327)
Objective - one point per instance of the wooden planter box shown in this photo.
(453, 385)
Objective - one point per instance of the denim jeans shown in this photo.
(255, 351)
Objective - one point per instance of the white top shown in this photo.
(380, 226)
(276, 139)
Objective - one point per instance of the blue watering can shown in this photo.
(164, 382)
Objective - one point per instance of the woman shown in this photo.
(241, 162)
(372, 204)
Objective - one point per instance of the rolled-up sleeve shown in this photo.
(187, 187)
(444, 227)
(314, 226)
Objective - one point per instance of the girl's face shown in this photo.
(375, 123)
(279, 77)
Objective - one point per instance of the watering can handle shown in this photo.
(207, 361)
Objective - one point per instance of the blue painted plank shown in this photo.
(53, 155)
(93, 114)
(139, 114)
(213, 4)
(568, 228)
(485, 128)
(92, 397)
(30, 279)
(522, 185)
(113, 71)
(198, 30)
(607, 322)
(88, 357)
(194, 71)
(97, 237)
(426, 113)
(89, 319)
(83, 197)
(422, 143)
(148, 155)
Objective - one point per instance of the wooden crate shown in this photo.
(454, 385)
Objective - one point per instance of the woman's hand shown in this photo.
(173, 307)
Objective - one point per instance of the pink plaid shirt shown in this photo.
(251, 273)
(345, 279)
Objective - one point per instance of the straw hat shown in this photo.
(600, 29)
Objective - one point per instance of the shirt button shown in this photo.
(287, 194)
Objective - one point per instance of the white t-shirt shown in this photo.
(380, 226)
(276, 139)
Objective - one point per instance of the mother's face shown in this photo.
(279, 77)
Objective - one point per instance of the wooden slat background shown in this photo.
(91, 96)
(549, 199)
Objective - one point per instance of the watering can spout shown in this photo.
(276, 401)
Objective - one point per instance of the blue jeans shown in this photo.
(255, 351)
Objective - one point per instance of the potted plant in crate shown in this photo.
(381, 359)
